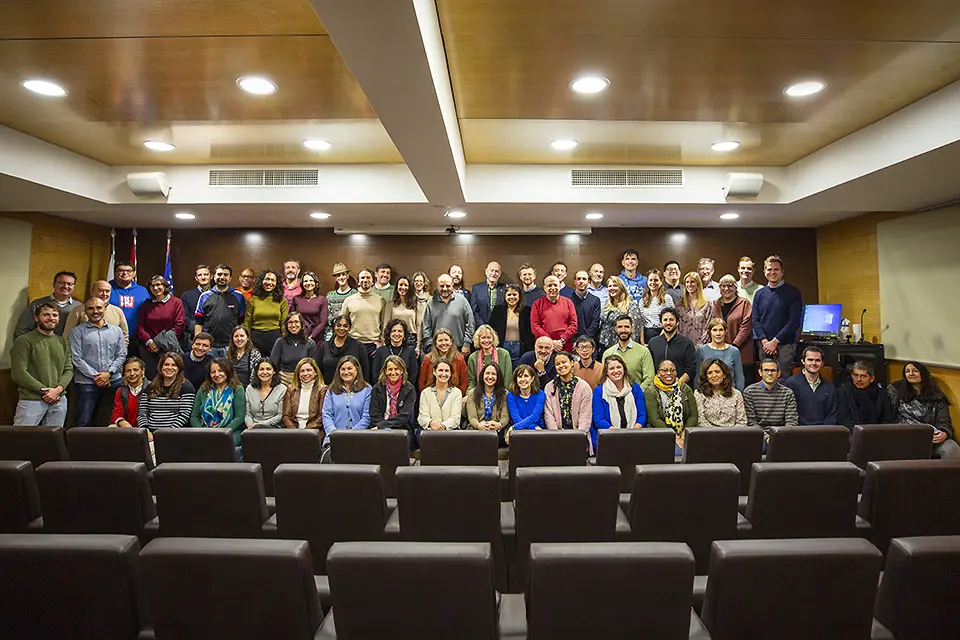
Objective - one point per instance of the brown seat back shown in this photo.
(387, 448)
(459, 448)
(238, 589)
(627, 448)
(328, 503)
(876, 442)
(808, 444)
(273, 447)
(19, 498)
(449, 504)
(95, 497)
(36, 444)
(741, 446)
(695, 504)
(210, 500)
(110, 443)
(548, 448)
(194, 445)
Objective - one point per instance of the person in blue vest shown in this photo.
(128, 295)
(816, 397)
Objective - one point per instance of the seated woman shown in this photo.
(587, 368)
(569, 403)
(393, 398)
(303, 400)
(670, 403)
(168, 401)
(397, 343)
(618, 401)
(292, 347)
(125, 401)
(347, 405)
(487, 403)
(221, 402)
(917, 399)
(441, 403)
(339, 345)
(488, 351)
(719, 404)
(243, 356)
(719, 349)
(265, 395)
(444, 348)
(525, 401)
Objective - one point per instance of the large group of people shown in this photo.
(658, 349)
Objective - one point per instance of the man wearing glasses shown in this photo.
(128, 295)
(62, 296)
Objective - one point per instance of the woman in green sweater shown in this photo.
(221, 402)
(266, 311)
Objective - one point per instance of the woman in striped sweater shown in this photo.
(168, 400)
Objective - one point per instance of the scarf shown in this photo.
(673, 411)
(217, 409)
(565, 393)
(393, 398)
(481, 364)
(621, 403)
(487, 407)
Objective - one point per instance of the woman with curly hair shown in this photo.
(719, 403)
(266, 311)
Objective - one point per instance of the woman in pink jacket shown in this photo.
(569, 402)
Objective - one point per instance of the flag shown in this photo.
(133, 250)
(113, 254)
(167, 270)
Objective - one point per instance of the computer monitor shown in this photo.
(821, 320)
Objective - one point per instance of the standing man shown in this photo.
(816, 398)
(456, 273)
(769, 404)
(111, 314)
(382, 287)
(128, 295)
(554, 316)
(671, 280)
(706, 269)
(746, 287)
(448, 311)
(541, 359)
(586, 304)
(672, 346)
(191, 297)
(248, 277)
(559, 269)
(291, 280)
(62, 297)
(597, 286)
(365, 309)
(41, 367)
(637, 357)
(777, 314)
(97, 350)
(634, 281)
(219, 311)
(485, 295)
(527, 277)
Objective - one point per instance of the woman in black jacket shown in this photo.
(511, 320)
(393, 398)
(339, 345)
(918, 400)
(398, 344)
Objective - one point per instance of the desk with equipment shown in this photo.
(821, 328)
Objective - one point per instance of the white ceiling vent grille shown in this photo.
(264, 177)
(626, 178)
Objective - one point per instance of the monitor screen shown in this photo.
(821, 319)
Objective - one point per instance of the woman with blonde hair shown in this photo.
(303, 401)
(444, 347)
(619, 303)
(488, 351)
(655, 298)
(694, 310)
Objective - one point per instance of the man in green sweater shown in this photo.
(41, 367)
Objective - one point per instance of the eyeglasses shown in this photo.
(124, 270)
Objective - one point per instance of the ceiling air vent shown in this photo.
(264, 177)
(626, 178)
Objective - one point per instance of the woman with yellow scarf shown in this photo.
(671, 403)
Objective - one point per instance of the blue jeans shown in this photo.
(513, 348)
(37, 413)
(92, 404)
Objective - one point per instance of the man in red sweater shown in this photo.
(554, 316)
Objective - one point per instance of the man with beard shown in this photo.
(41, 367)
(598, 286)
(111, 313)
(541, 359)
(62, 296)
(97, 350)
(448, 311)
(219, 311)
(637, 357)
(670, 345)
(291, 280)
(456, 275)
(862, 401)
(527, 277)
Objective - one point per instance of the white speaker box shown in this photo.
(744, 185)
(148, 185)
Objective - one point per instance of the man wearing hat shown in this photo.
(336, 297)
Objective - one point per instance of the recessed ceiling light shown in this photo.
(257, 85)
(564, 144)
(589, 84)
(319, 215)
(725, 145)
(456, 213)
(44, 87)
(729, 216)
(596, 215)
(158, 145)
(183, 215)
(803, 89)
(316, 145)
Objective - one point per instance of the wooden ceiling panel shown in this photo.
(153, 18)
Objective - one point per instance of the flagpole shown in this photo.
(113, 254)
(133, 251)
(167, 270)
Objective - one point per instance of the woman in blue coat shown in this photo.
(618, 401)
(347, 403)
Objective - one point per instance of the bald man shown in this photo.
(554, 316)
(541, 359)
(112, 314)
(487, 294)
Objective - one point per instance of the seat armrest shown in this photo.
(699, 592)
(744, 527)
(327, 630)
(697, 630)
(623, 533)
(513, 617)
(269, 528)
(742, 503)
(391, 531)
(880, 632)
(35, 525)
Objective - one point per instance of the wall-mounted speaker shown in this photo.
(148, 185)
(744, 185)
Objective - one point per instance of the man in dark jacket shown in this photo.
(862, 401)
(486, 295)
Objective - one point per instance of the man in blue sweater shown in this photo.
(128, 295)
(632, 279)
(816, 397)
(777, 314)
